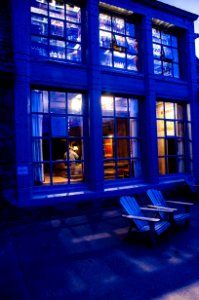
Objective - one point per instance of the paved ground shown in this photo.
(56, 256)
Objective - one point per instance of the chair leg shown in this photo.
(152, 235)
(130, 229)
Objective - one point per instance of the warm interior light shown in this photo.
(76, 104)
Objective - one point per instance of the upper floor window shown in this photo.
(56, 30)
(118, 43)
(165, 53)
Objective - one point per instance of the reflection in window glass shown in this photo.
(57, 137)
(121, 137)
(165, 53)
(172, 138)
(57, 102)
(118, 43)
(60, 21)
(39, 46)
(57, 49)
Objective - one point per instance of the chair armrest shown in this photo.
(141, 218)
(180, 202)
(162, 208)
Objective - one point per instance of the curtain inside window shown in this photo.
(37, 121)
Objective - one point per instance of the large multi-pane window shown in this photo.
(121, 137)
(118, 42)
(174, 137)
(56, 30)
(165, 53)
(57, 137)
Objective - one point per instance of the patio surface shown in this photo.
(55, 256)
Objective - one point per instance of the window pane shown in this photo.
(74, 52)
(108, 148)
(109, 169)
(161, 166)
(121, 107)
(175, 55)
(75, 126)
(56, 9)
(46, 125)
(132, 62)
(57, 102)
(123, 168)
(119, 60)
(189, 131)
(133, 107)
(134, 128)
(167, 53)
(180, 112)
(105, 22)
(160, 110)
(108, 127)
(166, 39)
(172, 165)
(180, 146)
(39, 25)
(170, 128)
(161, 147)
(188, 112)
(180, 129)
(74, 103)
(73, 13)
(120, 41)
(135, 148)
(167, 69)
(107, 105)
(181, 165)
(39, 46)
(156, 35)
(39, 7)
(56, 27)
(122, 148)
(58, 125)
(105, 39)
(73, 32)
(160, 128)
(122, 127)
(106, 57)
(132, 45)
(118, 25)
(157, 67)
(176, 71)
(157, 50)
(130, 29)
(59, 173)
(174, 41)
(57, 49)
(169, 110)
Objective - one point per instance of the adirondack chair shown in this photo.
(177, 217)
(138, 222)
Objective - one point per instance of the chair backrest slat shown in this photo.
(157, 199)
(132, 208)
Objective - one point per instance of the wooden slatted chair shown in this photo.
(177, 217)
(140, 223)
